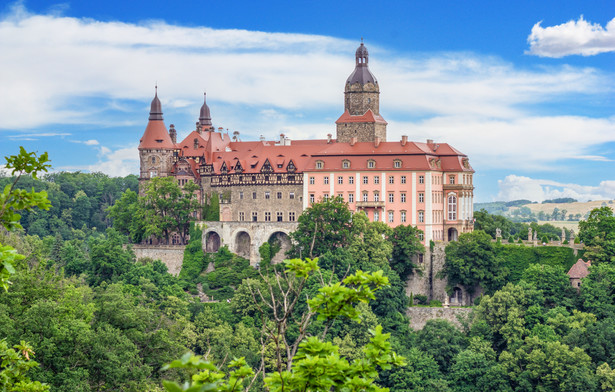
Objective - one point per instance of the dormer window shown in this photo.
(371, 164)
(397, 163)
(320, 164)
(346, 164)
(196, 143)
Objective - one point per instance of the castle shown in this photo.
(428, 185)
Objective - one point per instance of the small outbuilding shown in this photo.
(578, 271)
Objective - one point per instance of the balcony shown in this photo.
(370, 204)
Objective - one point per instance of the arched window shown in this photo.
(346, 164)
(452, 207)
(371, 164)
(319, 164)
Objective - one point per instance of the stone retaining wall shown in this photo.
(171, 255)
(419, 315)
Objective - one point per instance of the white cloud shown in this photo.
(116, 163)
(572, 38)
(514, 187)
(36, 135)
(91, 142)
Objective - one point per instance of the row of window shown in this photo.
(340, 180)
(376, 197)
(371, 164)
(267, 195)
(279, 216)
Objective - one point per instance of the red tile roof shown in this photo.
(368, 117)
(579, 270)
(156, 136)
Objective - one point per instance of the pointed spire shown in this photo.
(361, 73)
(205, 117)
(155, 112)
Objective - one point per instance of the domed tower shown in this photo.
(156, 147)
(205, 116)
(361, 118)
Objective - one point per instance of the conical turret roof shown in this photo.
(205, 117)
(156, 135)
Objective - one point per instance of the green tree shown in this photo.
(442, 340)
(471, 261)
(553, 282)
(406, 246)
(323, 226)
(598, 234)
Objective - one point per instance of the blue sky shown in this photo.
(525, 88)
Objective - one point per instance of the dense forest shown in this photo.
(80, 313)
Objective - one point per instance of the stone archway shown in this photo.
(457, 297)
(243, 244)
(212, 242)
(452, 234)
(282, 240)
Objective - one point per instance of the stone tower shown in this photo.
(156, 148)
(361, 118)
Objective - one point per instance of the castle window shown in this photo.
(421, 216)
(421, 236)
(312, 180)
(376, 196)
(340, 180)
(325, 197)
(351, 198)
(319, 164)
(254, 195)
(391, 197)
(421, 197)
(267, 216)
(196, 143)
(365, 180)
(369, 100)
(376, 216)
(397, 163)
(403, 217)
(403, 197)
(403, 179)
(346, 164)
(153, 173)
(153, 159)
(280, 216)
(421, 179)
(365, 196)
(326, 180)
(391, 216)
(452, 207)
(254, 216)
(242, 216)
(376, 179)
(279, 195)
(351, 180)
(371, 164)
(451, 179)
(291, 216)
(391, 180)
(291, 195)
(311, 198)
(240, 195)
(267, 195)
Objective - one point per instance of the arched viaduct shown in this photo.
(244, 238)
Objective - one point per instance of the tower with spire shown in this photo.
(156, 147)
(361, 120)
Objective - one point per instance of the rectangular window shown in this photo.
(421, 179)
(351, 180)
(421, 237)
(376, 216)
(397, 164)
(403, 179)
(403, 217)
(376, 196)
(391, 180)
(291, 195)
(376, 179)
(279, 195)
(254, 195)
(267, 194)
(325, 197)
(242, 216)
(391, 216)
(280, 216)
(291, 216)
(365, 180)
(391, 197)
(451, 179)
(311, 198)
(340, 195)
(312, 180)
(403, 197)
(267, 216)
(421, 197)
(254, 216)
(421, 216)
(240, 195)
(365, 197)
(340, 180)
(326, 180)
(351, 198)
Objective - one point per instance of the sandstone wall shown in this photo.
(420, 315)
(171, 255)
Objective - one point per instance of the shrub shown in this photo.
(435, 303)
(420, 299)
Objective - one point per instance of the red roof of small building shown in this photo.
(579, 270)
(156, 136)
(368, 117)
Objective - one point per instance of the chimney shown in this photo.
(404, 140)
(376, 142)
(329, 137)
(429, 141)
(173, 133)
(262, 138)
(353, 140)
